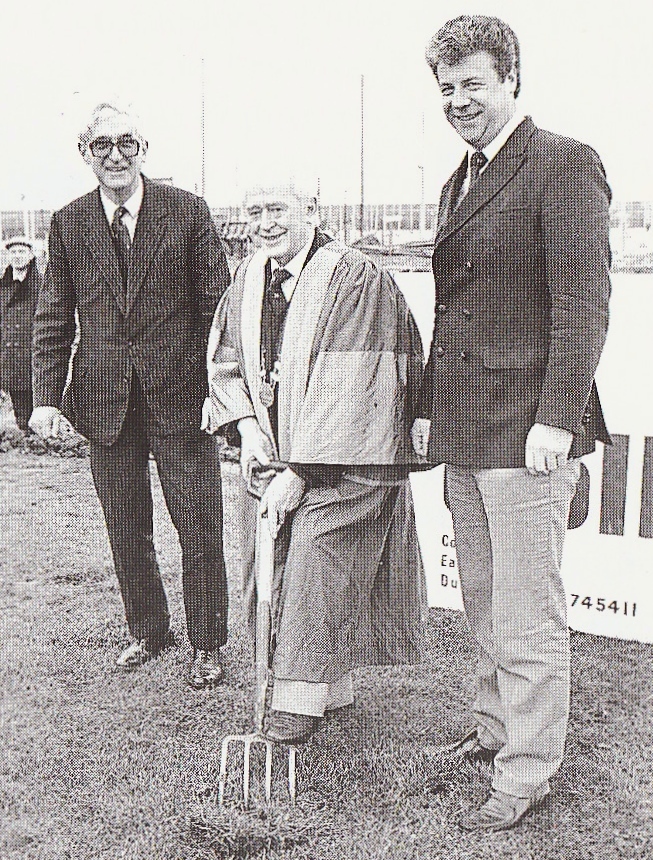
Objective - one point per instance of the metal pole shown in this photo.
(362, 152)
(203, 180)
(422, 208)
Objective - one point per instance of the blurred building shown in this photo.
(387, 229)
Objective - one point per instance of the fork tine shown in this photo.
(248, 743)
(292, 774)
(223, 770)
(268, 771)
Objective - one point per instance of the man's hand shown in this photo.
(546, 448)
(45, 421)
(255, 447)
(420, 432)
(281, 498)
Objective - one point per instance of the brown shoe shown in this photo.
(283, 727)
(501, 811)
(206, 670)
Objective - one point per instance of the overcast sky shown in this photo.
(282, 89)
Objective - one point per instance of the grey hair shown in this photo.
(303, 188)
(99, 112)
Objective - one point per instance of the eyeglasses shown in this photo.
(127, 145)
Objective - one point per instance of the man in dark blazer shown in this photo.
(142, 266)
(521, 265)
(19, 289)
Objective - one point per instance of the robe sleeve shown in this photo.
(229, 395)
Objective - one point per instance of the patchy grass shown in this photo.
(97, 765)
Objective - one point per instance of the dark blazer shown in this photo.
(158, 327)
(521, 272)
(17, 308)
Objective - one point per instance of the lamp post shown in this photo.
(362, 210)
(422, 204)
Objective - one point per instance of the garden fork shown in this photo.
(264, 566)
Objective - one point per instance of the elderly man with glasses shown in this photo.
(142, 266)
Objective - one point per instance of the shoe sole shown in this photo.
(537, 803)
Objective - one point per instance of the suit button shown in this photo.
(468, 264)
(467, 313)
(441, 309)
(440, 350)
(464, 355)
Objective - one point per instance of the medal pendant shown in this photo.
(266, 394)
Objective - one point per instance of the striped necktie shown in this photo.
(122, 241)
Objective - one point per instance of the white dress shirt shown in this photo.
(19, 274)
(492, 149)
(132, 205)
(294, 266)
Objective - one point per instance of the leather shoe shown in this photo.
(470, 748)
(283, 727)
(206, 669)
(501, 811)
(138, 653)
(134, 656)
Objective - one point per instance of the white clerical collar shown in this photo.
(494, 146)
(132, 204)
(294, 267)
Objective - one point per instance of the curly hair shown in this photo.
(468, 34)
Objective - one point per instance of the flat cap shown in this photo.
(19, 240)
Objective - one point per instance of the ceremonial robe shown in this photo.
(351, 365)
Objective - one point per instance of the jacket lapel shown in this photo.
(98, 238)
(151, 228)
(450, 194)
(497, 174)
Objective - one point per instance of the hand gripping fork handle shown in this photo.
(264, 566)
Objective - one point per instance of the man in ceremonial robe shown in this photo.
(316, 358)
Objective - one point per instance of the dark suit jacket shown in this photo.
(522, 284)
(17, 307)
(178, 272)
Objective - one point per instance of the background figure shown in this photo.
(143, 266)
(19, 289)
(509, 403)
(315, 355)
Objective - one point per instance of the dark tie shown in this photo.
(123, 241)
(476, 163)
(279, 276)
(276, 315)
(273, 318)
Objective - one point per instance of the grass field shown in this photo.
(96, 765)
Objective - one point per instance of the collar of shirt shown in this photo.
(18, 274)
(132, 205)
(294, 266)
(494, 146)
